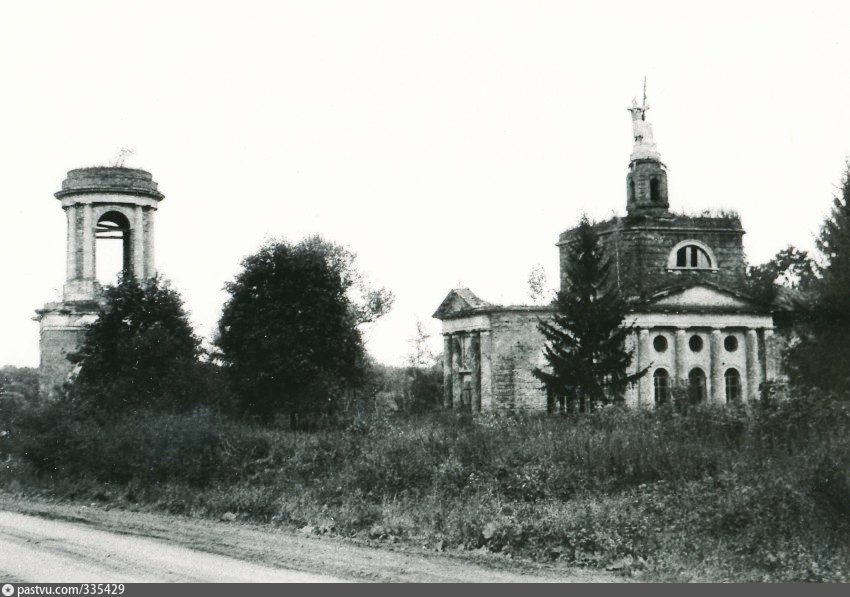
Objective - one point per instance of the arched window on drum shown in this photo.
(692, 255)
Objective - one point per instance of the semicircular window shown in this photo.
(694, 257)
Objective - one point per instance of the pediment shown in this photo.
(459, 301)
(701, 297)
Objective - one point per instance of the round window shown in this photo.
(730, 343)
(659, 343)
(695, 343)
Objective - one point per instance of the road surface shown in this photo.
(49, 542)
(38, 550)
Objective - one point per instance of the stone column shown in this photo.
(456, 385)
(718, 389)
(680, 376)
(447, 370)
(138, 232)
(753, 368)
(645, 397)
(88, 243)
(150, 265)
(770, 356)
(71, 258)
(486, 371)
(475, 369)
(631, 346)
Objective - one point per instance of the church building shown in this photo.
(694, 326)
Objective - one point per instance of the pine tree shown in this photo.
(585, 344)
(821, 357)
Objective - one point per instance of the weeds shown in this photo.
(714, 493)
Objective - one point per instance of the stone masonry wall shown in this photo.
(55, 367)
(62, 331)
(517, 348)
(639, 249)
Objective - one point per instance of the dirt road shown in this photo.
(37, 550)
(44, 542)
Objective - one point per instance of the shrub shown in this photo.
(149, 447)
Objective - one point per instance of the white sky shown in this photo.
(445, 142)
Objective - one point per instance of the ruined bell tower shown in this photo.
(99, 203)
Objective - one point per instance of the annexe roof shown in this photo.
(461, 302)
(692, 296)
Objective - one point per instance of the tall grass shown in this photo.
(751, 494)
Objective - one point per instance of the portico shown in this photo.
(696, 335)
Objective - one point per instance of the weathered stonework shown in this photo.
(694, 326)
(503, 346)
(640, 250)
(119, 202)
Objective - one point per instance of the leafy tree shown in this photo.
(20, 381)
(140, 353)
(537, 285)
(585, 342)
(289, 334)
(424, 377)
(18, 396)
(790, 268)
(821, 356)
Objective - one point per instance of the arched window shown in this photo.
(696, 385)
(112, 258)
(655, 190)
(733, 386)
(632, 190)
(691, 254)
(661, 381)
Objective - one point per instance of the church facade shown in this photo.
(695, 328)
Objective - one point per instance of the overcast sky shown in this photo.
(445, 142)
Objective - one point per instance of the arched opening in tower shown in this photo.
(112, 250)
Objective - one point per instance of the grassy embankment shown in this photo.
(714, 494)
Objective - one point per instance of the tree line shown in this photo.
(290, 338)
(289, 343)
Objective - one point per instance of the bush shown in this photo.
(148, 447)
